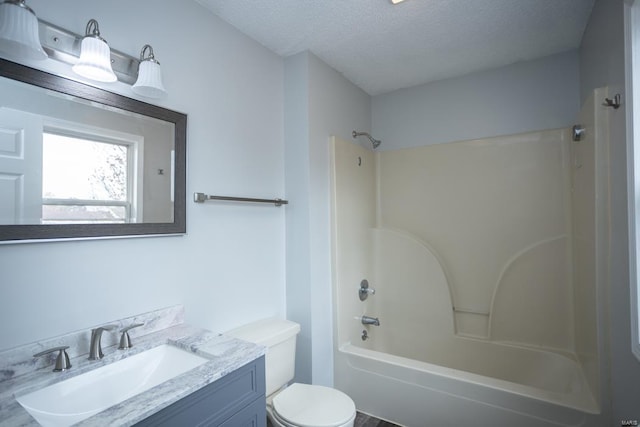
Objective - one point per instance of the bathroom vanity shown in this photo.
(227, 388)
(237, 399)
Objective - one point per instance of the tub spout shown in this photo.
(366, 320)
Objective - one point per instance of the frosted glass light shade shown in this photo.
(19, 36)
(95, 60)
(149, 81)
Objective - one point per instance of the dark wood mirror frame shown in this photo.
(23, 233)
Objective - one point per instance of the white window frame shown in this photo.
(135, 144)
(632, 58)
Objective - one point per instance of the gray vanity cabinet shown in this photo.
(235, 400)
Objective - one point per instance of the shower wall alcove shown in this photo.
(489, 259)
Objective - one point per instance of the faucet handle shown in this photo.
(62, 361)
(125, 340)
(365, 290)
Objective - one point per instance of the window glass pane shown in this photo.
(61, 214)
(75, 168)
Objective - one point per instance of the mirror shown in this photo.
(81, 162)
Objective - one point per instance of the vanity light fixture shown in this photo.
(95, 56)
(25, 37)
(149, 81)
(19, 31)
(396, 1)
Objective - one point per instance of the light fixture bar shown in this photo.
(64, 46)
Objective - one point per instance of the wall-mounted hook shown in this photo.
(615, 103)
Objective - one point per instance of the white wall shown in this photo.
(230, 268)
(297, 164)
(602, 63)
(519, 98)
(324, 103)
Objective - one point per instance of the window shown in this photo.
(87, 178)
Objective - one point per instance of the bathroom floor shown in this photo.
(362, 420)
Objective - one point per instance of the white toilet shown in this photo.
(296, 405)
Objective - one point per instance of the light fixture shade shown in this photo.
(95, 60)
(19, 31)
(149, 81)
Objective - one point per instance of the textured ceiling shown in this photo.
(381, 47)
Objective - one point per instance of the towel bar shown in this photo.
(201, 198)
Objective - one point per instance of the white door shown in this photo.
(20, 167)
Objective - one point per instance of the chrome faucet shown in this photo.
(95, 350)
(366, 320)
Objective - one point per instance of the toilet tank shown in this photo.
(279, 336)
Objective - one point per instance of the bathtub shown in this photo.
(488, 259)
(501, 385)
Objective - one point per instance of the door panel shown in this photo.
(20, 167)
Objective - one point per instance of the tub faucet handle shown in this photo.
(125, 339)
(62, 361)
(365, 290)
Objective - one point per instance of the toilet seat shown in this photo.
(304, 405)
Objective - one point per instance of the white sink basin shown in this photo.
(73, 400)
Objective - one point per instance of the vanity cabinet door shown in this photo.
(235, 400)
(253, 415)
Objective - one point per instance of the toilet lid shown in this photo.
(313, 406)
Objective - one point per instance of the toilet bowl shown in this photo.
(295, 405)
(304, 405)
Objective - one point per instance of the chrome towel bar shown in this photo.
(201, 198)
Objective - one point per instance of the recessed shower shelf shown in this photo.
(470, 311)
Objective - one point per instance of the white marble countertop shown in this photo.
(226, 354)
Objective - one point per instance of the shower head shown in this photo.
(376, 143)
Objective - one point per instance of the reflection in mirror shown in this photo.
(77, 161)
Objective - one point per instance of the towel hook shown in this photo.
(615, 102)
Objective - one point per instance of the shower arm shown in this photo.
(375, 142)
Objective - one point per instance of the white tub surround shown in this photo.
(226, 354)
(489, 261)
